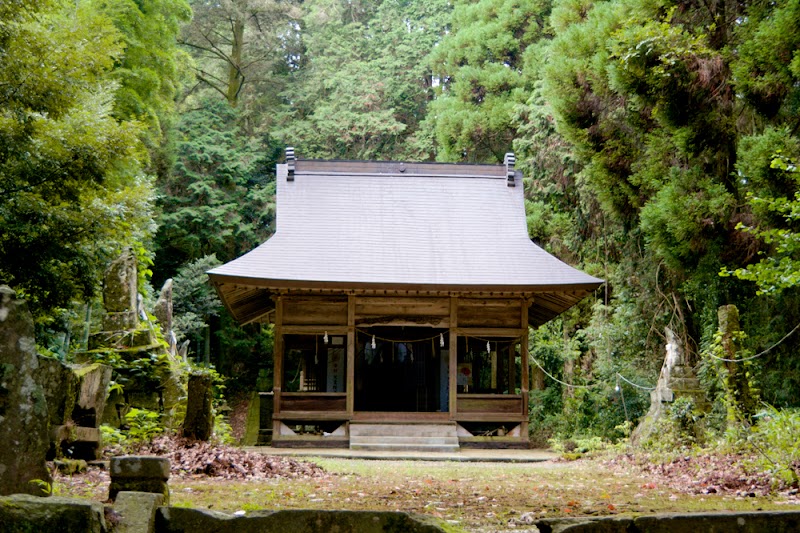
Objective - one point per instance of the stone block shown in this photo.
(91, 398)
(144, 337)
(713, 522)
(173, 519)
(755, 522)
(77, 442)
(136, 511)
(65, 515)
(150, 400)
(120, 321)
(140, 466)
(139, 474)
(60, 389)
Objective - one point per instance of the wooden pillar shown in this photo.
(512, 369)
(526, 365)
(277, 355)
(351, 353)
(453, 395)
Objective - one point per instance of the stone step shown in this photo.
(404, 439)
(421, 430)
(404, 448)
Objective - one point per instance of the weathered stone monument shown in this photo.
(742, 400)
(76, 398)
(120, 295)
(23, 407)
(677, 379)
(163, 313)
(163, 307)
(199, 422)
(130, 336)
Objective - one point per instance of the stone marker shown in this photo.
(741, 399)
(199, 423)
(120, 293)
(137, 511)
(139, 474)
(24, 436)
(163, 308)
(677, 379)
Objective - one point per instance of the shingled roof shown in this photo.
(399, 226)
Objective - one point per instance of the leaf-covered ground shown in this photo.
(707, 474)
(473, 496)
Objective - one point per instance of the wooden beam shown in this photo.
(489, 417)
(303, 416)
(400, 417)
(314, 330)
(256, 318)
(491, 332)
(453, 386)
(350, 388)
(420, 321)
(488, 302)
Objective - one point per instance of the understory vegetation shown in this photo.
(659, 142)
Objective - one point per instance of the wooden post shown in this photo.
(512, 369)
(453, 396)
(277, 377)
(351, 353)
(526, 364)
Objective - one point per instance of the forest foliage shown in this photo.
(658, 138)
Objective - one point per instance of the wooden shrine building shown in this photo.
(401, 295)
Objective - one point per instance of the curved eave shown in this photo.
(251, 299)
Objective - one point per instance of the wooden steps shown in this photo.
(404, 437)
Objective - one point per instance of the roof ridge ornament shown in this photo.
(509, 161)
(290, 163)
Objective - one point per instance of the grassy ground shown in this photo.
(472, 496)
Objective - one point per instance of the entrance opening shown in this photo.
(401, 369)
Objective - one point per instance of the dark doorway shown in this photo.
(401, 369)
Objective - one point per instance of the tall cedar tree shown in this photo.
(70, 173)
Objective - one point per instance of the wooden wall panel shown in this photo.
(292, 402)
(490, 404)
(375, 310)
(320, 311)
(494, 313)
(410, 306)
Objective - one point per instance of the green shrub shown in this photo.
(113, 437)
(223, 433)
(776, 436)
(143, 425)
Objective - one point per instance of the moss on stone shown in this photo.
(252, 423)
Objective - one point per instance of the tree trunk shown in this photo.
(235, 76)
(199, 422)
